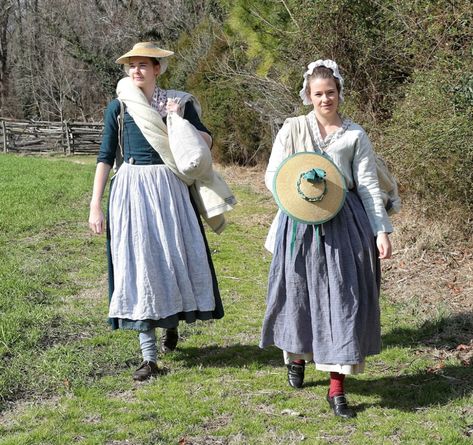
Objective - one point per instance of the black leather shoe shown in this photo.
(169, 340)
(340, 406)
(295, 374)
(145, 371)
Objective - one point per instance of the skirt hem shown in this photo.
(168, 322)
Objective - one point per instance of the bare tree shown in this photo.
(6, 7)
(64, 65)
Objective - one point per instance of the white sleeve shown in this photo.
(367, 184)
(279, 152)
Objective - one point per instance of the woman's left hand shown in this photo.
(172, 106)
(384, 246)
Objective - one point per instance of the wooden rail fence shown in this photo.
(40, 137)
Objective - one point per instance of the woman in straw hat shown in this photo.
(156, 240)
(322, 302)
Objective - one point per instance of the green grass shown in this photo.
(65, 378)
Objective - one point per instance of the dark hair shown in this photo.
(322, 72)
(154, 60)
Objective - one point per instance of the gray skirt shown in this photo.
(323, 294)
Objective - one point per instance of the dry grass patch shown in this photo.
(432, 262)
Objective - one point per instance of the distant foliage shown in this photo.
(430, 142)
(407, 66)
(61, 55)
(408, 71)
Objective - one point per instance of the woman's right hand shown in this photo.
(96, 219)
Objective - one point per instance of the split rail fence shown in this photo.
(69, 138)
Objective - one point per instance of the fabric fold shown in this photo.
(214, 197)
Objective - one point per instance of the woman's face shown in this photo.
(324, 96)
(143, 72)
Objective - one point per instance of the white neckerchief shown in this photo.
(159, 100)
(320, 142)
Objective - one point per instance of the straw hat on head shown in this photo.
(309, 188)
(146, 49)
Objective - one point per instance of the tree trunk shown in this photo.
(4, 19)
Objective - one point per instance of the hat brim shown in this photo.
(293, 204)
(144, 52)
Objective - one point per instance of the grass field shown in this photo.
(65, 378)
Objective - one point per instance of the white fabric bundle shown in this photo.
(212, 194)
(190, 150)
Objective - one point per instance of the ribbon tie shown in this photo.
(314, 176)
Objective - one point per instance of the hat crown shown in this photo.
(145, 45)
(146, 49)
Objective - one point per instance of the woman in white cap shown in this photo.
(323, 295)
(160, 269)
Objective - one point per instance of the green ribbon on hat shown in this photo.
(314, 176)
(294, 234)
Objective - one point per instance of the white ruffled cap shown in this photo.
(310, 69)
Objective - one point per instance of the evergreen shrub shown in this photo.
(429, 138)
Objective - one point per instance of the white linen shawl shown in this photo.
(213, 198)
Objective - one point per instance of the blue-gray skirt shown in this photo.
(323, 294)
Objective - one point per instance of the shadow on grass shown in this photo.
(445, 332)
(415, 392)
(233, 356)
(411, 392)
(430, 387)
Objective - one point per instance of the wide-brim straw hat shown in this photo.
(146, 49)
(309, 188)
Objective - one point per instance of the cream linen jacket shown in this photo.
(352, 154)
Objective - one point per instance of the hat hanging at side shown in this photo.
(146, 49)
(309, 188)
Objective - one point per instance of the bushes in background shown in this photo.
(407, 65)
(409, 82)
(429, 139)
